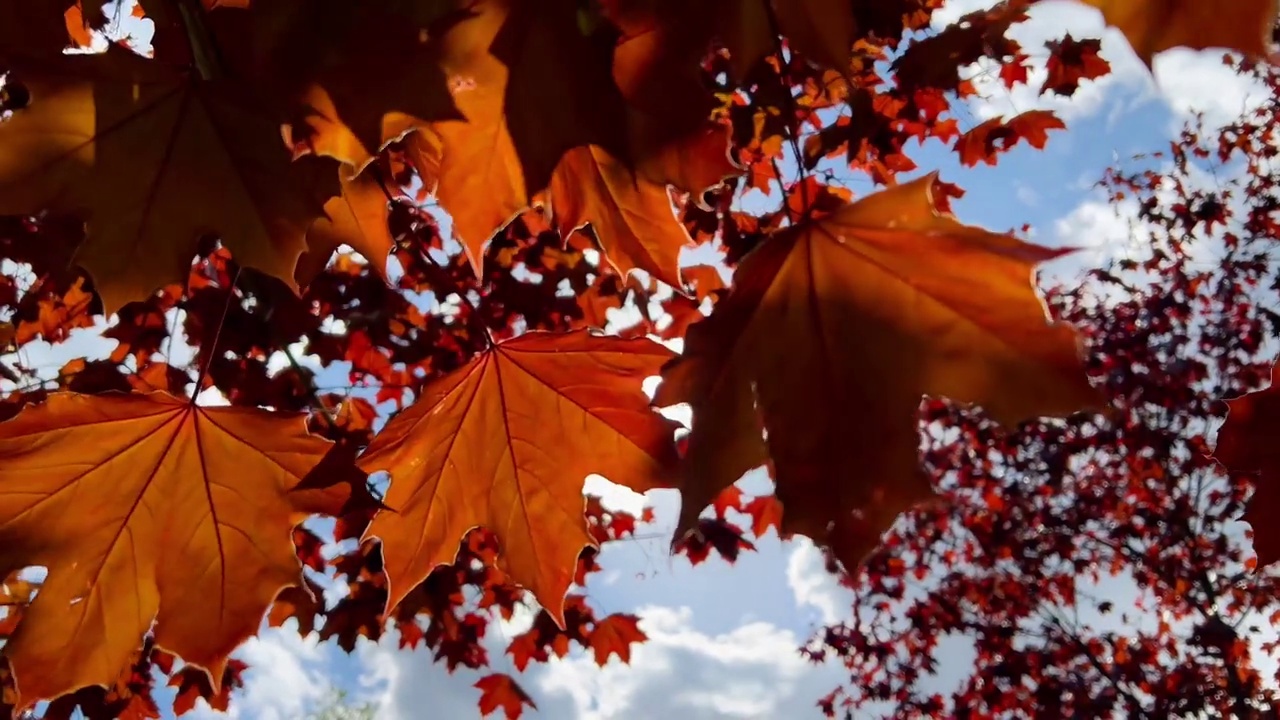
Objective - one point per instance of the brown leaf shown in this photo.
(823, 31)
(633, 219)
(1070, 62)
(997, 135)
(538, 99)
(155, 157)
(834, 331)
(357, 76)
(302, 603)
(506, 443)
(357, 218)
(143, 508)
(193, 684)
(1153, 26)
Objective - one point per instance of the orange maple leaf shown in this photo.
(58, 315)
(146, 508)
(499, 690)
(543, 121)
(614, 635)
(765, 512)
(833, 332)
(506, 443)
(822, 31)
(998, 135)
(358, 217)
(1153, 26)
(78, 28)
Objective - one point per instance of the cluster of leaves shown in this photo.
(570, 144)
(1094, 564)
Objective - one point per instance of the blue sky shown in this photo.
(723, 639)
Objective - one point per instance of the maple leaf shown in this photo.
(1246, 443)
(302, 603)
(765, 512)
(822, 31)
(936, 61)
(358, 217)
(58, 315)
(355, 76)
(1153, 26)
(710, 534)
(80, 27)
(633, 220)
(142, 508)
(505, 443)
(998, 135)
(156, 157)
(574, 143)
(833, 332)
(1071, 61)
(499, 690)
(193, 684)
(614, 635)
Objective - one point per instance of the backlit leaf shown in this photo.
(833, 332)
(146, 508)
(506, 443)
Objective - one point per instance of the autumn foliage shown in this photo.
(454, 200)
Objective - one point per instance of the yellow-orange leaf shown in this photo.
(490, 166)
(356, 218)
(506, 443)
(148, 508)
(823, 31)
(537, 98)
(833, 332)
(154, 157)
(1153, 26)
(633, 218)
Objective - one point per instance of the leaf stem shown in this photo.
(217, 335)
(792, 110)
(204, 51)
(315, 395)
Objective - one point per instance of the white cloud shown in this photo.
(814, 587)
(1050, 21)
(287, 677)
(1192, 81)
(1106, 230)
(752, 671)
(724, 640)
(1185, 80)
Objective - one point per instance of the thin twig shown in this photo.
(315, 397)
(204, 51)
(792, 109)
(217, 335)
(473, 314)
